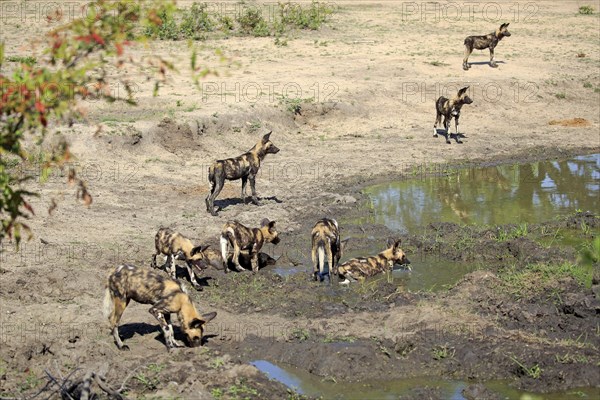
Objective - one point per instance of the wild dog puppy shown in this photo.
(326, 247)
(245, 167)
(483, 42)
(364, 267)
(171, 244)
(242, 238)
(450, 108)
(128, 282)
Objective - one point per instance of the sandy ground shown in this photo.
(369, 80)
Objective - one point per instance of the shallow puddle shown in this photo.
(503, 194)
(311, 385)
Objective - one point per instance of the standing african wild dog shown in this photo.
(450, 108)
(326, 243)
(145, 286)
(243, 238)
(245, 167)
(483, 42)
(364, 267)
(170, 243)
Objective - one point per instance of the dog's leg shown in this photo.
(330, 260)
(172, 266)
(193, 280)
(119, 305)
(215, 188)
(154, 260)
(254, 261)
(236, 257)
(244, 182)
(164, 319)
(456, 127)
(468, 51)
(252, 179)
(447, 128)
(492, 62)
(438, 120)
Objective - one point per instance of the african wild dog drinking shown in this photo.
(242, 238)
(364, 267)
(171, 243)
(145, 286)
(450, 108)
(483, 42)
(245, 167)
(326, 248)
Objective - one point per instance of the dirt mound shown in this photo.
(574, 122)
(175, 137)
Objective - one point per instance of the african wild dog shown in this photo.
(483, 42)
(326, 247)
(245, 167)
(242, 238)
(145, 286)
(364, 267)
(171, 243)
(450, 108)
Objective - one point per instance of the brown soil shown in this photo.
(147, 168)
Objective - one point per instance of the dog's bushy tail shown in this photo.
(321, 255)
(224, 242)
(108, 304)
(211, 175)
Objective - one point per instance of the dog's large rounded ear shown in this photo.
(397, 243)
(504, 25)
(344, 243)
(264, 222)
(265, 138)
(463, 90)
(198, 249)
(271, 224)
(197, 323)
(209, 316)
(390, 242)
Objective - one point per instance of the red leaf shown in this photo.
(86, 39)
(39, 106)
(98, 38)
(43, 120)
(119, 47)
(28, 207)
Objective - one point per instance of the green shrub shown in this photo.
(168, 30)
(250, 19)
(586, 10)
(196, 21)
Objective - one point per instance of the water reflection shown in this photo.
(312, 385)
(492, 195)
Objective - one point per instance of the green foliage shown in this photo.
(517, 232)
(28, 60)
(533, 278)
(74, 67)
(196, 22)
(442, 352)
(251, 21)
(533, 372)
(586, 10)
(311, 17)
